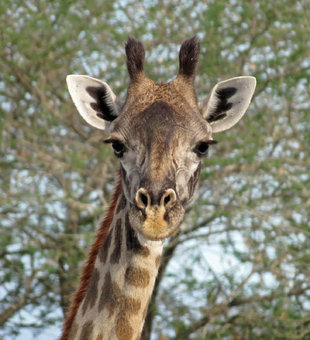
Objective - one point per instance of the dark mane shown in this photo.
(89, 266)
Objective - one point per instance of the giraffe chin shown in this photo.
(156, 223)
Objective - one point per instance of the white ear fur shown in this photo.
(228, 101)
(85, 103)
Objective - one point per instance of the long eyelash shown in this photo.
(211, 141)
(110, 140)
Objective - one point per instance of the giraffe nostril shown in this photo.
(168, 198)
(142, 198)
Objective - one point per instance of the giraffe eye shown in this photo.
(201, 148)
(118, 147)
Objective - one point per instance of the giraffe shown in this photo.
(160, 136)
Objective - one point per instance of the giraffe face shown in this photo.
(161, 133)
(160, 149)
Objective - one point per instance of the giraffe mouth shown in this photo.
(157, 223)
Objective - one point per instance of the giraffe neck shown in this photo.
(120, 287)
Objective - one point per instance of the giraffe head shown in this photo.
(161, 133)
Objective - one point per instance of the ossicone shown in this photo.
(188, 57)
(135, 54)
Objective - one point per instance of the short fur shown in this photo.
(88, 269)
(135, 58)
(188, 56)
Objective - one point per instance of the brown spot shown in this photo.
(116, 254)
(144, 251)
(157, 261)
(103, 252)
(131, 305)
(121, 204)
(123, 329)
(92, 291)
(110, 295)
(106, 292)
(99, 336)
(137, 277)
(87, 331)
(73, 331)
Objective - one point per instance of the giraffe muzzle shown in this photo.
(159, 218)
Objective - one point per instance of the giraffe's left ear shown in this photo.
(227, 103)
(94, 100)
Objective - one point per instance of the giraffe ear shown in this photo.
(94, 100)
(227, 103)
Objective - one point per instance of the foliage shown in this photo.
(238, 269)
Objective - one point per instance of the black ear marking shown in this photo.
(102, 105)
(188, 56)
(135, 57)
(219, 112)
(226, 92)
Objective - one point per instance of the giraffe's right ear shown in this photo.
(94, 100)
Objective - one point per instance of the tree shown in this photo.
(238, 268)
